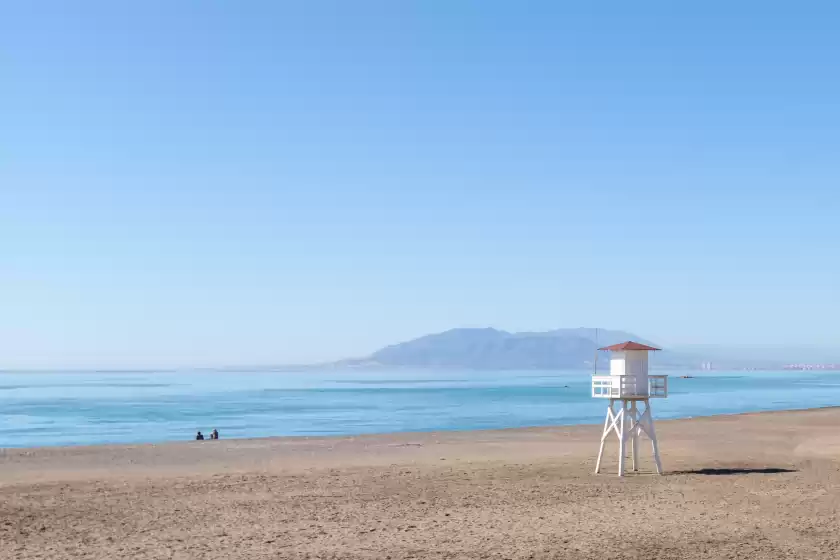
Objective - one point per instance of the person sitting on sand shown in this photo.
(199, 436)
(215, 434)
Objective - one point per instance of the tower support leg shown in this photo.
(646, 425)
(634, 434)
(622, 438)
(652, 434)
(629, 424)
(608, 424)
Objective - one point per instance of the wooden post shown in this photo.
(604, 435)
(621, 438)
(652, 435)
(634, 433)
(629, 423)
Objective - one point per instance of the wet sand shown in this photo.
(747, 486)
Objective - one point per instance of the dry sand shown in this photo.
(757, 486)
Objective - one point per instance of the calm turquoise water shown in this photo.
(93, 407)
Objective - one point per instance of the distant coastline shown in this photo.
(562, 349)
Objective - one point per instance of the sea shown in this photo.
(94, 407)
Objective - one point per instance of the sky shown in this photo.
(259, 182)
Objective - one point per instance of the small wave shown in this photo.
(396, 381)
(98, 384)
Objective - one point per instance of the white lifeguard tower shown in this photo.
(629, 384)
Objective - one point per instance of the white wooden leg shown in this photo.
(629, 424)
(621, 439)
(607, 422)
(634, 433)
(654, 443)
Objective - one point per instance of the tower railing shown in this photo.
(629, 386)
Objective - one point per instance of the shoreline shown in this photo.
(296, 453)
(383, 434)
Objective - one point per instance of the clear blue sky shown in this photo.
(204, 183)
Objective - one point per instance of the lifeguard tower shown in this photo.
(627, 385)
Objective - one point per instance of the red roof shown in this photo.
(629, 345)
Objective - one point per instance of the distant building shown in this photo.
(809, 367)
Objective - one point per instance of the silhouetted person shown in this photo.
(215, 434)
(199, 436)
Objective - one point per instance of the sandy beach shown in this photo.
(761, 485)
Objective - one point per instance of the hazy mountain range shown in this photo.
(495, 349)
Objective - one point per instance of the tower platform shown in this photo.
(629, 387)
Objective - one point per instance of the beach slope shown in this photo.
(746, 486)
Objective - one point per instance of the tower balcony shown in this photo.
(630, 386)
